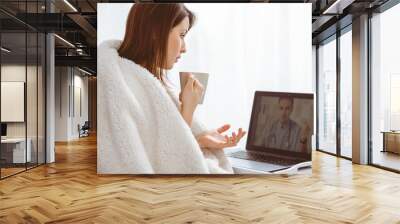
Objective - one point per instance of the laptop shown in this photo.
(280, 131)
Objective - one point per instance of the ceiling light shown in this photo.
(5, 50)
(84, 71)
(70, 5)
(65, 41)
(338, 6)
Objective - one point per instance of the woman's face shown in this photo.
(176, 43)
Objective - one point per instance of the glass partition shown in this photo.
(22, 77)
(32, 86)
(41, 91)
(31, 100)
(13, 110)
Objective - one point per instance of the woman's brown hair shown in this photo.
(147, 31)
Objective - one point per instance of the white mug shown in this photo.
(202, 77)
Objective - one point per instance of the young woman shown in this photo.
(154, 39)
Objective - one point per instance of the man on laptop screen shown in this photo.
(284, 132)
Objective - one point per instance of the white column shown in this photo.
(50, 92)
(50, 103)
(360, 90)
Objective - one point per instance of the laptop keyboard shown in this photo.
(262, 158)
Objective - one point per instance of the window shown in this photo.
(394, 101)
(346, 94)
(385, 88)
(327, 97)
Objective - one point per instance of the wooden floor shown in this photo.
(5, 172)
(10, 171)
(70, 191)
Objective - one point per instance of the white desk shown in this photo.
(18, 149)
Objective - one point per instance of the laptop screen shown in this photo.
(282, 124)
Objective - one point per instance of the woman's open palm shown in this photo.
(217, 140)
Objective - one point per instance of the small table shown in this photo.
(391, 141)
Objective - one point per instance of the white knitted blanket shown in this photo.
(140, 129)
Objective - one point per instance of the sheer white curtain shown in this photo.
(247, 47)
(244, 47)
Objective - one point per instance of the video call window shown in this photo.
(283, 122)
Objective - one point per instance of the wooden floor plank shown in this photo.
(70, 191)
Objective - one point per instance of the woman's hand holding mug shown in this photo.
(191, 94)
(190, 97)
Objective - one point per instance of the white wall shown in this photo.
(68, 80)
(81, 83)
(14, 72)
(61, 103)
(33, 127)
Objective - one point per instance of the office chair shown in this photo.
(84, 130)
